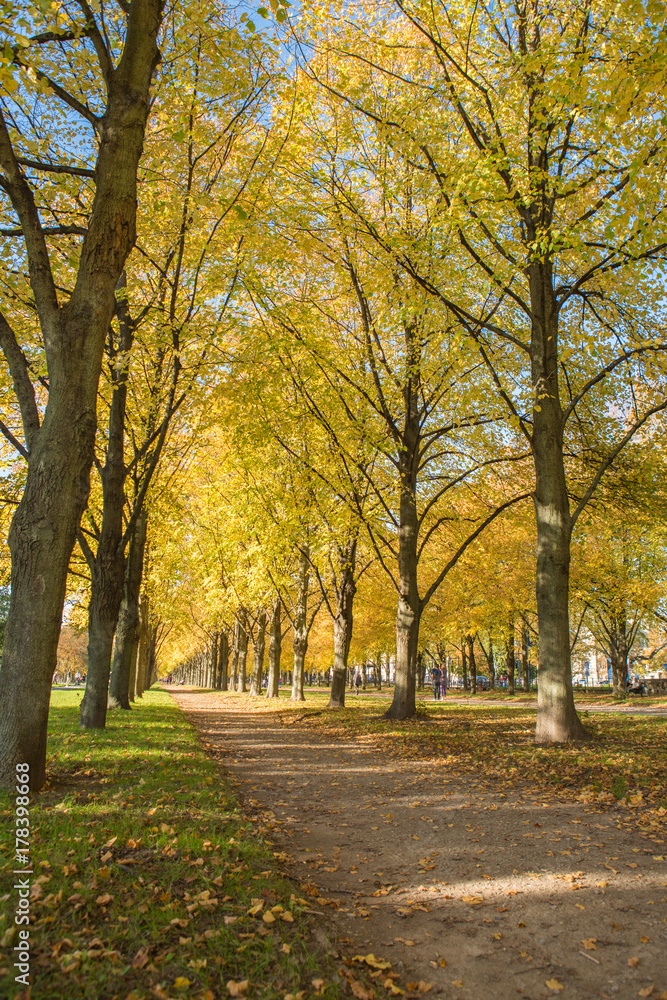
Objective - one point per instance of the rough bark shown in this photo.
(235, 655)
(144, 646)
(525, 665)
(300, 625)
(343, 622)
(275, 649)
(408, 615)
(472, 663)
(44, 526)
(510, 654)
(557, 720)
(618, 654)
(490, 661)
(241, 685)
(128, 619)
(214, 660)
(223, 662)
(258, 655)
(132, 680)
(107, 564)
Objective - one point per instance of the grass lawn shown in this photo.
(148, 881)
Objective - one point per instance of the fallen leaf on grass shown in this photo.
(287, 917)
(553, 984)
(111, 842)
(391, 986)
(317, 984)
(181, 983)
(140, 959)
(104, 899)
(268, 918)
(237, 989)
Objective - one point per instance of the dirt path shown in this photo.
(480, 892)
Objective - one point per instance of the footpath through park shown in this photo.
(470, 889)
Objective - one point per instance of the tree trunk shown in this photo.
(45, 523)
(525, 666)
(472, 662)
(464, 665)
(343, 622)
(490, 661)
(618, 654)
(300, 643)
(214, 661)
(235, 655)
(107, 564)
(223, 662)
(408, 616)
(132, 680)
(557, 720)
(275, 649)
(258, 655)
(243, 655)
(144, 646)
(128, 620)
(378, 671)
(510, 654)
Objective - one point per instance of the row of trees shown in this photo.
(379, 301)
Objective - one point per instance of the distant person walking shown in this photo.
(357, 681)
(436, 677)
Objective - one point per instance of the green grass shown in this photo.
(135, 827)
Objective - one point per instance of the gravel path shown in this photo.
(483, 891)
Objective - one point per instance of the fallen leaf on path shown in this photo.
(553, 984)
(375, 963)
(633, 961)
(646, 992)
(360, 992)
(473, 900)
(589, 944)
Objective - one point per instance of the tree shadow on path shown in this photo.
(480, 888)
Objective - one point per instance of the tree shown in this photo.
(543, 139)
(111, 96)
